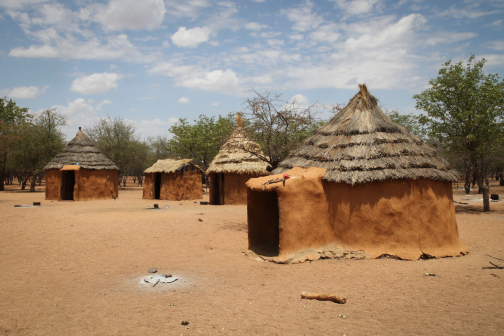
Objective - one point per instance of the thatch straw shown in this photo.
(235, 156)
(171, 166)
(81, 150)
(361, 144)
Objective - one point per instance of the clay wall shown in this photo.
(403, 218)
(53, 184)
(235, 191)
(180, 186)
(95, 184)
(148, 186)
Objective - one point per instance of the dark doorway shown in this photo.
(67, 185)
(217, 197)
(157, 186)
(263, 220)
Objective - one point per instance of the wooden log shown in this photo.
(323, 297)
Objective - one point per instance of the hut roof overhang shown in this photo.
(83, 152)
(362, 144)
(236, 156)
(171, 166)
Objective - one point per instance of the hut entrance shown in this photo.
(67, 185)
(217, 189)
(263, 223)
(157, 186)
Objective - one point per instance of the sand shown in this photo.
(74, 268)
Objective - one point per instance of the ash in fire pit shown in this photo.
(157, 279)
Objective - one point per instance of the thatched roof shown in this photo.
(171, 166)
(361, 144)
(81, 150)
(235, 157)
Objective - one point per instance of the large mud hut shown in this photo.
(232, 167)
(174, 180)
(81, 172)
(360, 183)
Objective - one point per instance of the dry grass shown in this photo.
(171, 166)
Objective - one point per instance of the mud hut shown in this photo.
(81, 172)
(232, 167)
(174, 180)
(360, 183)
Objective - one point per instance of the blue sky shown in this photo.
(155, 61)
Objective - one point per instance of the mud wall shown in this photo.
(180, 186)
(404, 218)
(95, 184)
(53, 184)
(148, 186)
(235, 191)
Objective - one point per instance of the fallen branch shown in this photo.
(323, 297)
(494, 266)
(488, 255)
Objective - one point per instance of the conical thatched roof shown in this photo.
(170, 166)
(232, 158)
(361, 144)
(83, 151)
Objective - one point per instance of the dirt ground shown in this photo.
(73, 268)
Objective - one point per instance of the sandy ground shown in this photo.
(72, 268)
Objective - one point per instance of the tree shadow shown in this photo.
(475, 209)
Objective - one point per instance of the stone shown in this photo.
(152, 270)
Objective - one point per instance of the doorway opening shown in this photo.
(67, 185)
(157, 186)
(263, 222)
(217, 195)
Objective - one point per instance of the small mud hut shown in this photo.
(174, 180)
(232, 167)
(81, 172)
(360, 183)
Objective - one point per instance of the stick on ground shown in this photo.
(323, 297)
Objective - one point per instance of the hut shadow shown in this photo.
(266, 250)
(241, 227)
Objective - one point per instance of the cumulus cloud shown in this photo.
(497, 45)
(303, 17)
(23, 92)
(183, 100)
(154, 127)
(190, 38)
(95, 83)
(186, 8)
(80, 113)
(132, 14)
(255, 26)
(357, 7)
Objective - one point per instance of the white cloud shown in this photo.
(103, 102)
(470, 12)
(497, 45)
(23, 92)
(34, 51)
(449, 37)
(15, 4)
(357, 7)
(326, 34)
(496, 23)
(132, 14)
(183, 100)
(215, 104)
(255, 26)
(190, 38)
(80, 113)
(216, 80)
(492, 60)
(186, 8)
(154, 127)
(303, 17)
(95, 83)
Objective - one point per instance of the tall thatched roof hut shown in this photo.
(362, 182)
(174, 180)
(232, 167)
(81, 172)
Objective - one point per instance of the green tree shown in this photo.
(38, 142)
(117, 139)
(202, 140)
(465, 113)
(11, 116)
(413, 123)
